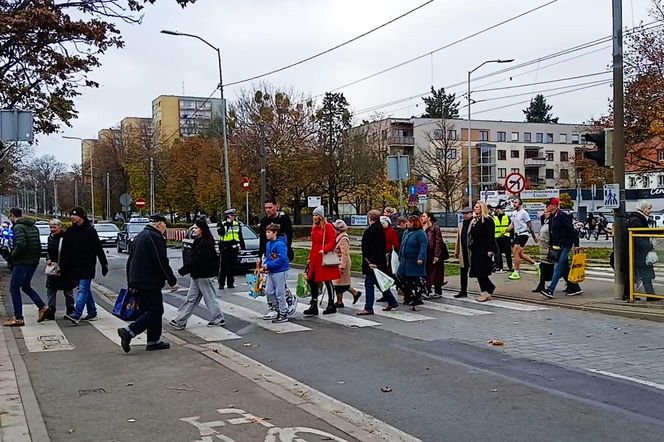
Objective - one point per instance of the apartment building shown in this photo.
(181, 116)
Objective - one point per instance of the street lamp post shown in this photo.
(470, 168)
(92, 181)
(223, 109)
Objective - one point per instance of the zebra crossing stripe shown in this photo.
(399, 315)
(253, 317)
(496, 303)
(108, 325)
(43, 336)
(198, 326)
(453, 309)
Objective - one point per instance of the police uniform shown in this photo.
(231, 242)
(503, 241)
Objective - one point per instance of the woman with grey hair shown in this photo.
(644, 270)
(342, 249)
(64, 280)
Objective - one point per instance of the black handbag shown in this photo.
(553, 254)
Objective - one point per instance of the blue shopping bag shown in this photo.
(127, 306)
(255, 282)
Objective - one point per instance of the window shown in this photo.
(502, 154)
(632, 181)
(451, 134)
(515, 136)
(451, 154)
(549, 174)
(564, 174)
(526, 137)
(660, 155)
(484, 135)
(549, 138)
(564, 156)
(660, 181)
(515, 170)
(575, 138)
(646, 181)
(502, 136)
(539, 138)
(549, 155)
(562, 138)
(514, 154)
(502, 172)
(437, 134)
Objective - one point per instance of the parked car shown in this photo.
(107, 232)
(246, 259)
(44, 233)
(128, 232)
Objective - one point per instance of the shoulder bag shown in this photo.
(53, 268)
(329, 258)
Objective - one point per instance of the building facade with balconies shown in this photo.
(175, 116)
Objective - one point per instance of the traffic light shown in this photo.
(603, 156)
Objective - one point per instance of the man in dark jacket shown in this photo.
(231, 241)
(25, 257)
(81, 248)
(147, 269)
(563, 238)
(274, 216)
(373, 257)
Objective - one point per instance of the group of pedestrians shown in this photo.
(72, 256)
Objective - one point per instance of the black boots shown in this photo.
(313, 308)
(331, 308)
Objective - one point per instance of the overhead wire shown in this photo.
(516, 86)
(327, 51)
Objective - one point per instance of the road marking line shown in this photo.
(198, 326)
(43, 336)
(394, 314)
(108, 325)
(253, 317)
(446, 308)
(496, 303)
(339, 318)
(628, 378)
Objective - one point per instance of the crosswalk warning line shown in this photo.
(496, 303)
(253, 317)
(43, 336)
(108, 325)
(198, 326)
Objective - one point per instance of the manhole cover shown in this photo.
(54, 342)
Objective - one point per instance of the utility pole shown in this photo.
(618, 146)
(108, 195)
(76, 192)
(44, 198)
(55, 197)
(263, 161)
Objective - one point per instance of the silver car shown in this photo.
(44, 233)
(108, 233)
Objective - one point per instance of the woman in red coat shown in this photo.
(323, 240)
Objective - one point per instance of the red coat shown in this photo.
(317, 270)
(391, 240)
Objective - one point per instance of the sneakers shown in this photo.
(89, 318)
(42, 315)
(280, 319)
(548, 293)
(514, 276)
(175, 325)
(461, 295)
(125, 339)
(161, 345)
(537, 269)
(217, 324)
(270, 315)
(575, 292)
(73, 319)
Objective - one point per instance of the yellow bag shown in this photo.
(578, 271)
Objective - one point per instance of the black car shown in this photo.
(247, 258)
(129, 231)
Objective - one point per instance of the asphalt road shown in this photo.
(561, 375)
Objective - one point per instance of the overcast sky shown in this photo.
(256, 36)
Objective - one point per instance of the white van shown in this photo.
(656, 220)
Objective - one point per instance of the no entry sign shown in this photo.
(139, 203)
(515, 183)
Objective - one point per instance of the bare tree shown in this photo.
(440, 164)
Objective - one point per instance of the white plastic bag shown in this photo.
(651, 258)
(394, 261)
(383, 281)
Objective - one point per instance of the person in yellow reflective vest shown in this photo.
(503, 239)
(231, 242)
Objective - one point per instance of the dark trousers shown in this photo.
(463, 277)
(152, 305)
(227, 265)
(504, 248)
(486, 285)
(313, 289)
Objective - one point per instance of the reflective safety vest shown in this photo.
(501, 225)
(232, 232)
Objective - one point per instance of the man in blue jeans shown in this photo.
(81, 248)
(25, 257)
(563, 238)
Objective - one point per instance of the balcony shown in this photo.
(404, 141)
(534, 162)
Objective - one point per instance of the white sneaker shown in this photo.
(270, 315)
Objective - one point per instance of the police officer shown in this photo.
(231, 242)
(503, 240)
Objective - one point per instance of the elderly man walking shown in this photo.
(147, 269)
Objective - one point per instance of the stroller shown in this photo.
(6, 244)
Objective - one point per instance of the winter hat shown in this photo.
(340, 225)
(320, 211)
(385, 221)
(79, 211)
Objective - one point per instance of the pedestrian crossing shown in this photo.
(51, 335)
